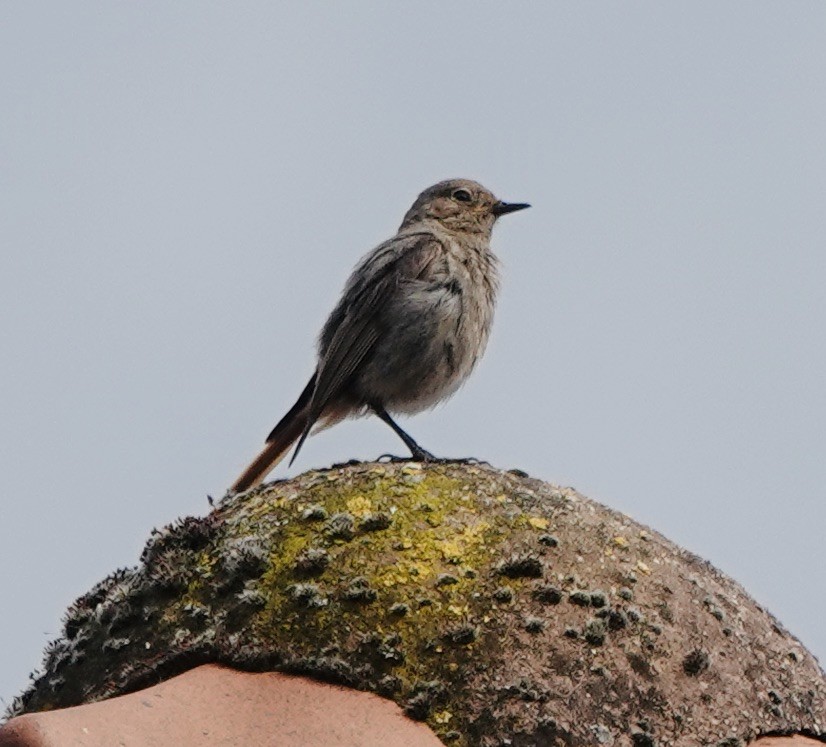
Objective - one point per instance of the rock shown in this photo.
(486, 657)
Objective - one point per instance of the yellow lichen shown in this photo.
(359, 505)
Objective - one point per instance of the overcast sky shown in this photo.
(185, 186)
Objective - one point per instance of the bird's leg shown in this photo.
(418, 453)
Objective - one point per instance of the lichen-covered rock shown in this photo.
(498, 608)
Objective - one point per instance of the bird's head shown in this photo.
(461, 206)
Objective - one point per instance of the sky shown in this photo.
(184, 188)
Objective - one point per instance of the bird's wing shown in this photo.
(358, 316)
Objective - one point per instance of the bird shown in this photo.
(412, 322)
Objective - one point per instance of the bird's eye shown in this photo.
(462, 195)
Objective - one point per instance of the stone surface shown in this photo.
(490, 605)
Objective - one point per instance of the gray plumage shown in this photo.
(414, 318)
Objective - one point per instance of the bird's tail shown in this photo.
(282, 437)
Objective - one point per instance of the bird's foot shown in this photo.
(418, 454)
(467, 460)
(460, 460)
(422, 456)
(426, 457)
(348, 463)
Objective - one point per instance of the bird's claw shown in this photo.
(393, 459)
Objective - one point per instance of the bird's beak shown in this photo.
(503, 208)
